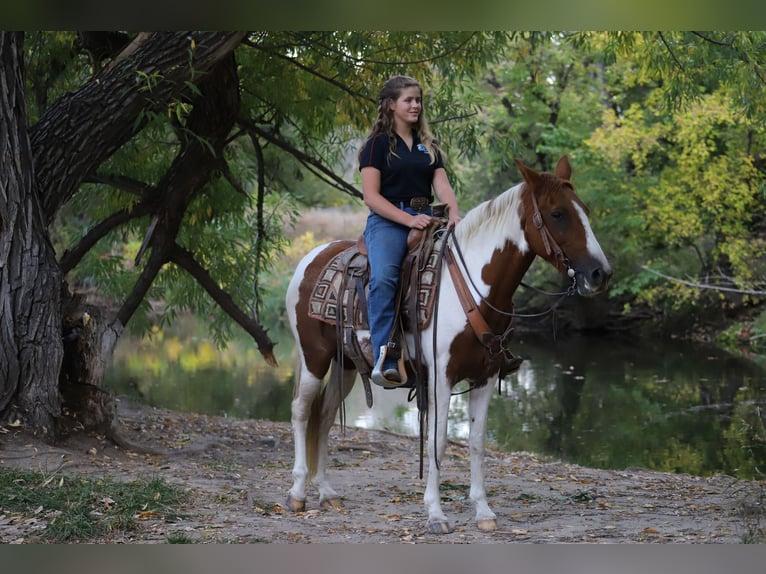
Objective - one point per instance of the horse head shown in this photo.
(559, 231)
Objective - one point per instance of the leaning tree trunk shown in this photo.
(73, 137)
(90, 332)
(30, 317)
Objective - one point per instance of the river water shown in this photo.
(598, 402)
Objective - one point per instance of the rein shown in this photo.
(570, 291)
(496, 345)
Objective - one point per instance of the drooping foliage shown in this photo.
(306, 100)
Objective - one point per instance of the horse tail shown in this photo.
(322, 415)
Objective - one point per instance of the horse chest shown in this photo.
(470, 360)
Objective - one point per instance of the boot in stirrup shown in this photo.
(389, 370)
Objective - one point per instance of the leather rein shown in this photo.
(496, 345)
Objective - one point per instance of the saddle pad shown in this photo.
(326, 299)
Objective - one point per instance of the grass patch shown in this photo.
(76, 509)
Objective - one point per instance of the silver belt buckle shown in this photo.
(419, 203)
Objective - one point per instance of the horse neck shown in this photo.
(503, 274)
(496, 252)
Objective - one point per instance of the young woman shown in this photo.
(401, 167)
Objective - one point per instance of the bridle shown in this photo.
(495, 345)
(550, 243)
(466, 299)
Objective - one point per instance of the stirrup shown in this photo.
(389, 378)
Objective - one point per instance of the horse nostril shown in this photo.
(598, 276)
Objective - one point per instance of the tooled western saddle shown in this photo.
(340, 298)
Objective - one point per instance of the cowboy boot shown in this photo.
(388, 371)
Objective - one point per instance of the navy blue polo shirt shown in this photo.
(405, 175)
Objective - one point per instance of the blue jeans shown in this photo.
(386, 247)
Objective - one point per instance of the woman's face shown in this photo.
(407, 106)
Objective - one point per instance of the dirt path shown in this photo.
(239, 473)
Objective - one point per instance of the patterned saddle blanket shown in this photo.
(341, 290)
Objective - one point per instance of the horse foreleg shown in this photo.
(437, 429)
(332, 397)
(477, 412)
(307, 388)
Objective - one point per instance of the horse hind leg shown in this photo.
(313, 412)
(305, 392)
(332, 395)
(477, 413)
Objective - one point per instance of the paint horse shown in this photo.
(497, 242)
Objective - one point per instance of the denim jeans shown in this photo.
(386, 247)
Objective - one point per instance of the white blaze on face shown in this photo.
(591, 242)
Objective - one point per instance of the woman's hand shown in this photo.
(419, 221)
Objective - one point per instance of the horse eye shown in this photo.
(557, 214)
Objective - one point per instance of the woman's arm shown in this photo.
(446, 194)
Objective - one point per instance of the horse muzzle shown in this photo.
(593, 281)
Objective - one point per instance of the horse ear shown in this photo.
(563, 169)
(530, 175)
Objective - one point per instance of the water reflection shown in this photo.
(597, 402)
(669, 407)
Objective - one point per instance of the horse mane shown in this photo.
(494, 216)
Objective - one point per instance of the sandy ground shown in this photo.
(238, 472)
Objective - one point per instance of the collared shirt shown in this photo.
(406, 174)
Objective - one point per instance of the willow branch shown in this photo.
(670, 51)
(233, 181)
(304, 158)
(185, 259)
(260, 227)
(73, 256)
(705, 285)
(127, 184)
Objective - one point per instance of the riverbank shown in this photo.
(238, 472)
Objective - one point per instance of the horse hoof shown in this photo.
(487, 524)
(294, 504)
(439, 527)
(330, 503)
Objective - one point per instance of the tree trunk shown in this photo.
(31, 347)
(40, 171)
(82, 129)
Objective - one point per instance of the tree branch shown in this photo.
(701, 36)
(72, 257)
(186, 261)
(83, 128)
(670, 51)
(260, 231)
(226, 172)
(121, 182)
(704, 285)
(342, 87)
(304, 158)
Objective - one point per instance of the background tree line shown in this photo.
(153, 173)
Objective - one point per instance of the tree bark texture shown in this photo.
(40, 171)
(83, 128)
(31, 348)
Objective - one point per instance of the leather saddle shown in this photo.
(340, 296)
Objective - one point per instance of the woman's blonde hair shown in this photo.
(384, 123)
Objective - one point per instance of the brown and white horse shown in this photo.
(498, 239)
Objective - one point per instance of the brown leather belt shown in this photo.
(416, 203)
